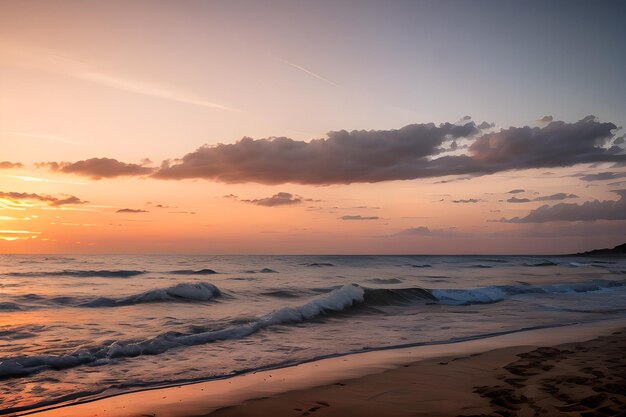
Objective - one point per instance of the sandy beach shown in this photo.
(578, 379)
(576, 370)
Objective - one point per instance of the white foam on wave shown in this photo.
(335, 300)
(496, 293)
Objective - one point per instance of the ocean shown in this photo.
(94, 325)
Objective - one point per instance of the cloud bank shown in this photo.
(415, 151)
(50, 200)
(280, 199)
(9, 165)
(587, 211)
(98, 168)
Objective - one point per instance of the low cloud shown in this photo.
(358, 217)
(9, 165)
(129, 210)
(469, 200)
(425, 231)
(414, 151)
(280, 199)
(360, 156)
(546, 119)
(98, 168)
(50, 200)
(486, 125)
(516, 191)
(602, 176)
(587, 211)
(555, 197)
(342, 157)
(517, 200)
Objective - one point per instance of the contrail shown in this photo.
(49, 137)
(312, 74)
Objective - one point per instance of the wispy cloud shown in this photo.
(46, 137)
(58, 62)
(311, 73)
(148, 89)
(37, 179)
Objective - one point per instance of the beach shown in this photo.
(576, 370)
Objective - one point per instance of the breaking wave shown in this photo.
(334, 301)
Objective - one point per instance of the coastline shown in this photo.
(276, 387)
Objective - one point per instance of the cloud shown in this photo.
(414, 151)
(546, 119)
(9, 165)
(603, 176)
(358, 217)
(557, 144)
(517, 200)
(98, 168)
(469, 200)
(341, 158)
(280, 199)
(516, 191)
(555, 197)
(588, 211)
(425, 231)
(147, 89)
(50, 200)
(129, 210)
(486, 125)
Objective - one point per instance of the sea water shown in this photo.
(91, 325)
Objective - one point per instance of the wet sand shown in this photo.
(577, 370)
(580, 379)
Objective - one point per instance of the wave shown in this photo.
(319, 264)
(6, 306)
(205, 271)
(104, 273)
(497, 293)
(197, 291)
(540, 263)
(334, 301)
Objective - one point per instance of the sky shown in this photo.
(312, 127)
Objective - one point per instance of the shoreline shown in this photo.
(201, 398)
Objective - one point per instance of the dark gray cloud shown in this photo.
(602, 176)
(414, 151)
(555, 197)
(129, 210)
(486, 125)
(280, 199)
(546, 119)
(517, 200)
(98, 168)
(468, 200)
(554, 145)
(51, 200)
(9, 165)
(358, 217)
(343, 157)
(411, 152)
(588, 211)
(516, 191)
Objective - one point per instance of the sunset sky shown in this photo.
(435, 127)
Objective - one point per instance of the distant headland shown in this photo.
(616, 251)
